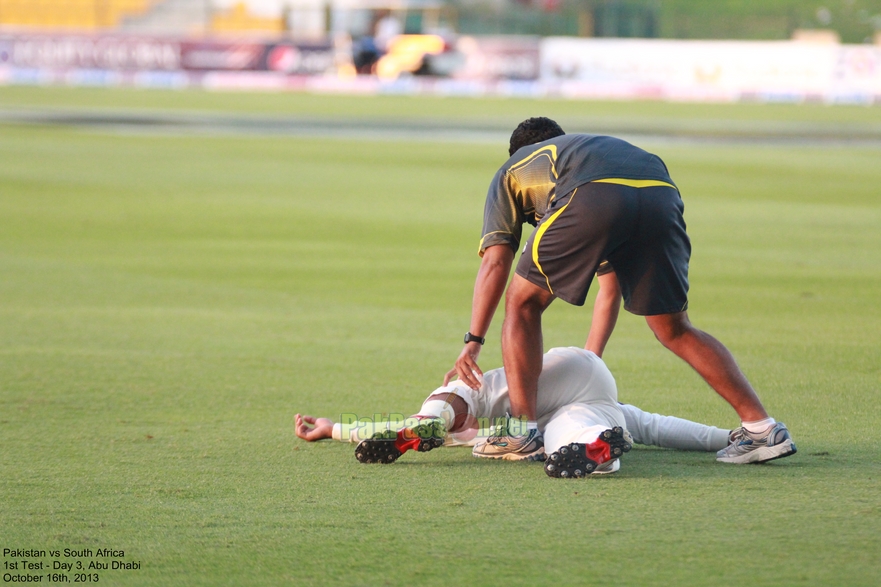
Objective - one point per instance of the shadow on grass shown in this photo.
(642, 463)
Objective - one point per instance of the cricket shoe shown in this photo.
(600, 456)
(386, 446)
(747, 447)
(501, 444)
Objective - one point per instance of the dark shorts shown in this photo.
(640, 231)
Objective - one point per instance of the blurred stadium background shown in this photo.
(786, 50)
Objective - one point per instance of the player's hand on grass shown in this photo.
(311, 428)
(466, 367)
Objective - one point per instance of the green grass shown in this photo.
(506, 112)
(168, 303)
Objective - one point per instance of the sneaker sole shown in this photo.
(579, 460)
(763, 455)
(421, 438)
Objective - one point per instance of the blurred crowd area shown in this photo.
(848, 21)
(787, 50)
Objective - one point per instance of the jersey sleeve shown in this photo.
(502, 217)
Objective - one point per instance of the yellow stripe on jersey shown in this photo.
(540, 233)
(550, 151)
(635, 183)
(480, 246)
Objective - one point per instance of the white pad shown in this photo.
(436, 408)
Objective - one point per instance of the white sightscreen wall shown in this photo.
(706, 69)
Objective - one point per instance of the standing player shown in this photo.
(585, 426)
(594, 198)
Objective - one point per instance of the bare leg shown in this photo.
(605, 313)
(522, 347)
(711, 360)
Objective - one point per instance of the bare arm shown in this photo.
(488, 289)
(605, 313)
(311, 428)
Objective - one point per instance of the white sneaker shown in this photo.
(746, 447)
(501, 444)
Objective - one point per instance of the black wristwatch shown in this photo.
(471, 338)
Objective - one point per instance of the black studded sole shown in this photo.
(381, 449)
(579, 460)
(377, 451)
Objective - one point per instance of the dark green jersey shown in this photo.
(526, 185)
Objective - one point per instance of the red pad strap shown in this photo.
(403, 443)
(598, 451)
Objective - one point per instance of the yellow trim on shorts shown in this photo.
(635, 183)
(540, 233)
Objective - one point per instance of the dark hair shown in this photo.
(533, 130)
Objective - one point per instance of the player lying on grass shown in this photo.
(585, 427)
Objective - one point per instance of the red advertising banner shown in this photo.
(89, 52)
(300, 58)
(221, 56)
(130, 53)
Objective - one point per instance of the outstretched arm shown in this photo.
(488, 289)
(448, 403)
(311, 428)
(605, 313)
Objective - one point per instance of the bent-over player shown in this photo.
(592, 199)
